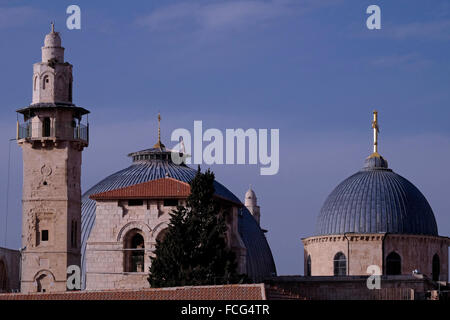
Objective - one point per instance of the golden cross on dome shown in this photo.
(376, 130)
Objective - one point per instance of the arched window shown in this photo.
(340, 264)
(46, 127)
(43, 283)
(134, 251)
(436, 268)
(3, 277)
(393, 264)
(308, 266)
(35, 83)
(45, 82)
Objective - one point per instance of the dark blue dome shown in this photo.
(155, 164)
(376, 200)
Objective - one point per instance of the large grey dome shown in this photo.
(376, 200)
(155, 164)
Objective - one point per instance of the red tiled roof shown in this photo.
(225, 292)
(161, 188)
(156, 189)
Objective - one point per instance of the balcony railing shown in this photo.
(56, 130)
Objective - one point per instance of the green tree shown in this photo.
(194, 250)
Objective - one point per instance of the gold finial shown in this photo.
(53, 26)
(159, 144)
(376, 130)
(159, 127)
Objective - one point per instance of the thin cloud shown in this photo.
(398, 60)
(223, 15)
(240, 13)
(439, 30)
(16, 16)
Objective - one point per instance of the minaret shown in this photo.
(252, 205)
(52, 139)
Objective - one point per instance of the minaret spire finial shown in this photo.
(376, 130)
(159, 144)
(159, 127)
(53, 26)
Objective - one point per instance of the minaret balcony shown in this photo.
(55, 131)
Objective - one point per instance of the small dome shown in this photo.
(376, 200)
(52, 40)
(375, 161)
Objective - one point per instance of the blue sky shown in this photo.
(309, 68)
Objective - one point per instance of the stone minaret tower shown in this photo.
(52, 138)
(252, 205)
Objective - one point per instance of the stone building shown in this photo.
(52, 140)
(376, 218)
(126, 213)
(373, 218)
(128, 223)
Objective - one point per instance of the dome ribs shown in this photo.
(376, 200)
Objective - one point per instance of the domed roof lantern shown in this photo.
(52, 49)
(250, 197)
(52, 39)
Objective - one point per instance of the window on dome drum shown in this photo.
(170, 202)
(340, 264)
(135, 202)
(436, 267)
(46, 127)
(393, 264)
(134, 251)
(308, 266)
(44, 235)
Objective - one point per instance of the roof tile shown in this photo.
(161, 188)
(224, 292)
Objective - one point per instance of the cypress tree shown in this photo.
(194, 251)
